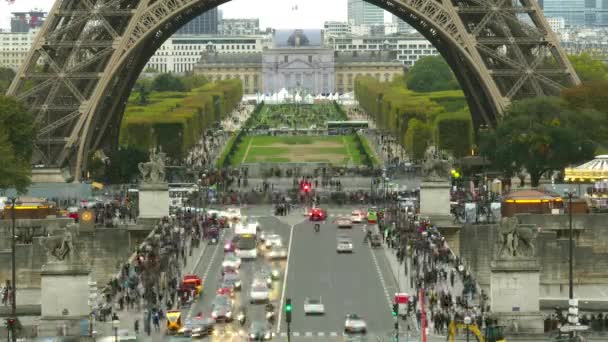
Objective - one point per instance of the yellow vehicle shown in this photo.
(174, 321)
(492, 333)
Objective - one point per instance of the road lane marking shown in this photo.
(285, 278)
(204, 277)
(382, 281)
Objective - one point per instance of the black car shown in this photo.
(197, 327)
(260, 331)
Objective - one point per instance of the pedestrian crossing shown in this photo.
(314, 334)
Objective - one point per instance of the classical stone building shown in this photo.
(300, 60)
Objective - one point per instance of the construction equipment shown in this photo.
(493, 333)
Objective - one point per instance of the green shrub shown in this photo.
(418, 139)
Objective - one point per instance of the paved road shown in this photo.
(210, 272)
(347, 283)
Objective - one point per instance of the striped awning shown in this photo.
(595, 170)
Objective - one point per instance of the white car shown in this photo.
(357, 216)
(233, 214)
(232, 261)
(345, 245)
(314, 306)
(265, 233)
(273, 240)
(277, 252)
(344, 222)
(259, 293)
(354, 324)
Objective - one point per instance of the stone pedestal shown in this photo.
(64, 300)
(435, 198)
(514, 294)
(153, 201)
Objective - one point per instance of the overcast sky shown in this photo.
(272, 13)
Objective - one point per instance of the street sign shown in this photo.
(568, 328)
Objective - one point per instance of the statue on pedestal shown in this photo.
(515, 241)
(436, 169)
(59, 248)
(153, 172)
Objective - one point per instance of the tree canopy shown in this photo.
(431, 73)
(17, 134)
(168, 82)
(589, 68)
(539, 135)
(6, 77)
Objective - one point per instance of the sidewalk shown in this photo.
(127, 316)
(404, 282)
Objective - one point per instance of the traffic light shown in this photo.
(306, 187)
(288, 310)
(395, 309)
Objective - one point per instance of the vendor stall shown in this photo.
(530, 202)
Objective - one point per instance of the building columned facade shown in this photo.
(298, 61)
(408, 49)
(181, 53)
(14, 47)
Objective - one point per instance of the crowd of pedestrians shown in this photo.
(449, 290)
(151, 279)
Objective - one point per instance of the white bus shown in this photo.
(246, 239)
(179, 193)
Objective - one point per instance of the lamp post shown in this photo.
(570, 253)
(13, 294)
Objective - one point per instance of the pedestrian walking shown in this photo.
(136, 327)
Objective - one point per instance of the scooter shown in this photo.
(317, 227)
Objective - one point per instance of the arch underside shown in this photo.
(80, 71)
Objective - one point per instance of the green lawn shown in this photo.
(338, 150)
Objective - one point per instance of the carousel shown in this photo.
(596, 172)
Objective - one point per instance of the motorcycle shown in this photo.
(270, 316)
(241, 318)
(317, 227)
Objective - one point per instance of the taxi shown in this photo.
(174, 321)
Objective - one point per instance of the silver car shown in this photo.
(345, 245)
(259, 293)
(277, 252)
(314, 306)
(354, 324)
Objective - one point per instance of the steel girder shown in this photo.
(93, 50)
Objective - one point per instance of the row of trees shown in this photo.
(433, 114)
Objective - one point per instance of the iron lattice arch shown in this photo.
(79, 72)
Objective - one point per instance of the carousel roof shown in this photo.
(594, 170)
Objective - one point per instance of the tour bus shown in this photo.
(246, 239)
(179, 193)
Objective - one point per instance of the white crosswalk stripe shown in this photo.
(308, 334)
(296, 334)
(333, 334)
(283, 334)
(320, 334)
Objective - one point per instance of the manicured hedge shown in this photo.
(371, 159)
(393, 107)
(417, 139)
(454, 133)
(175, 121)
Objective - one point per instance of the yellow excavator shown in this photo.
(493, 333)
